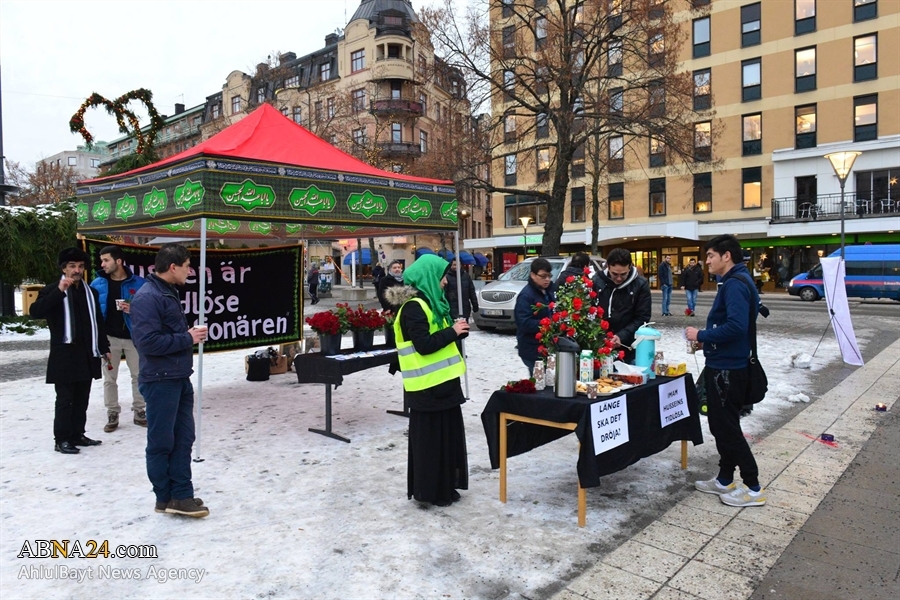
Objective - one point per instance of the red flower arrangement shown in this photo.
(524, 386)
(332, 322)
(365, 320)
(574, 315)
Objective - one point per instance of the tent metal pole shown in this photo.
(459, 302)
(201, 320)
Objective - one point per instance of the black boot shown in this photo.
(66, 448)
(85, 441)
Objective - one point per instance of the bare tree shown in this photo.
(48, 183)
(559, 75)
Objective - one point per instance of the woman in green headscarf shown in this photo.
(431, 366)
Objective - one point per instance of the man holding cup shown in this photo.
(117, 285)
(165, 345)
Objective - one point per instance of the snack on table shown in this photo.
(674, 369)
(633, 378)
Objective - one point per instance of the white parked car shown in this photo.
(497, 299)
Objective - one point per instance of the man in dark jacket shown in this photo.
(691, 282)
(575, 268)
(394, 277)
(539, 289)
(116, 286)
(77, 342)
(665, 283)
(165, 344)
(727, 346)
(469, 297)
(312, 280)
(624, 297)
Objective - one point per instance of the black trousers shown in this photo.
(71, 410)
(313, 292)
(725, 393)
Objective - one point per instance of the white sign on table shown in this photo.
(609, 422)
(673, 404)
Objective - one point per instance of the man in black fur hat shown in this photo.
(77, 342)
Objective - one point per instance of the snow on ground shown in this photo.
(296, 514)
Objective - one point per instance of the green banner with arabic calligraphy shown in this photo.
(258, 200)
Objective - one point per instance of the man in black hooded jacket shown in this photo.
(624, 297)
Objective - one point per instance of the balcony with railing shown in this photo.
(396, 107)
(828, 207)
(399, 150)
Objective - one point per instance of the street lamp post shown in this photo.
(842, 163)
(525, 221)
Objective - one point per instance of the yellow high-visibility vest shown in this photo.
(422, 371)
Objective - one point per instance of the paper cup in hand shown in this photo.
(120, 304)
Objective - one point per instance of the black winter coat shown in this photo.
(69, 363)
(470, 298)
(386, 282)
(527, 322)
(626, 306)
(692, 278)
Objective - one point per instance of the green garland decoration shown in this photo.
(119, 109)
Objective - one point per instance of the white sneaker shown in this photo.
(714, 487)
(744, 496)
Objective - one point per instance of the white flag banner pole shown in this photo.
(833, 275)
(201, 320)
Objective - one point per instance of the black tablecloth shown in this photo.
(316, 368)
(646, 436)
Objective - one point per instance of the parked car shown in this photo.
(871, 272)
(497, 299)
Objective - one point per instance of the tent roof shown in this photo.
(267, 135)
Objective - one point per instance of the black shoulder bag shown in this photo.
(758, 384)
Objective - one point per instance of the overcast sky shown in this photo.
(55, 54)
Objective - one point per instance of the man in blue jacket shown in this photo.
(539, 289)
(117, 285)
(726, 346)
(166, 347)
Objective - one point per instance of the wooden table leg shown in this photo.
(503, 457)
(582, 506)
(683, 455)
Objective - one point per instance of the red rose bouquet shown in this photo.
(575, 315)
(524, 386)
(332, 322)
(365, 320)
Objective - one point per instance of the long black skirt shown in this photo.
(438, 463)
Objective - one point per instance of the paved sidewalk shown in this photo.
(829, 530)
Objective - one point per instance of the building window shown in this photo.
(865, 57)
(325, 71)
(320, 114)
(805, 126)
(509, 127)
(577, 213)
(298, 115)
(616, 101)
(260, 95)
(701, 37)
(578, 108)
(509, 169)
(518, 206)
(805, 69)
(804, 16)
(752, 134)
(540, 80)
(702, 192)
(577, 164)
(396, 90)
(702, 89)
(750, 25)
(540, 3)
(658, 197)
(542, 126)
(235, 105)
(509, 41)
(509, 84)
(95, 163)
(865, 118)
(752, 187)
(357, 61)
(616, 201)
(359, 136)
(614, 59)
(657, 152)
(616, 154)
(331, 110)
(423, 142)
(73, 161)
(703, 141)
(751, 79)
(657, 99)
(656, 49)
(285, 110)
(215, 111)
(507, 8)
(543, 165)
(423, 100)
(292, 81)
(615, 14)
(396, 133)
(358, 100)
(540, 32)
(865, 9)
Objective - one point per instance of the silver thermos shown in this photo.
(567, 351)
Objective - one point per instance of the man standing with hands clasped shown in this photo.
(166, 347)
(665, 284)
(117, 285)
(727, 346)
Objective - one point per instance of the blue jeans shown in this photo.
(691, 298)
(667, 298)
(170, 437)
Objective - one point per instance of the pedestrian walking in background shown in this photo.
(691, 282)
(77, 342)
(166, 347)
(431, 366)
(727, 346)
(116, 285)
(665, 283)
(312, 280)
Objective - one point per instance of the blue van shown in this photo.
(873, 271)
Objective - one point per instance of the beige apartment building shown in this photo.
(781, 83)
